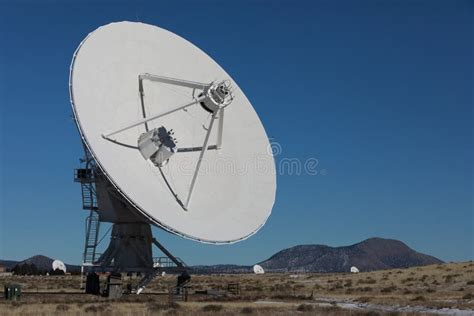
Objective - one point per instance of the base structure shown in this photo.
(131, 239)
(130, 251)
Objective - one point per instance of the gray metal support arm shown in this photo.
(203, 151)
(174, 81)
(167, 253)
(154, 117)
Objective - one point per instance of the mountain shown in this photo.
(221, 268)
(368, 255)
(43, 263)
(8, 263)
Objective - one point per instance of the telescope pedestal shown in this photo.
(129, 249)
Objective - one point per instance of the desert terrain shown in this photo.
(435, 289)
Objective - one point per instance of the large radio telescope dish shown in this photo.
(124, 74)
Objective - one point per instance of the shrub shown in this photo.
(305, 308)
(91, 309)
(371, 313)
(62, 308)
(368, 280)
(162, 306)
(407, 280)
(96, 308)
(419, 298)
(247, 310)
(364, 289)
(212, 308)
(364, 299)
(388, 289)
(468, 296)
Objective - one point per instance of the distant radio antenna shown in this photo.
(258, 269)
(58, 265)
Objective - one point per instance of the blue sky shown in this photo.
(380, 92)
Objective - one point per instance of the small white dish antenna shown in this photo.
(257, 269)
(59, 265)
(354, 270)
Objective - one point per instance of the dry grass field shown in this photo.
(436, 289)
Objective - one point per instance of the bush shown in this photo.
(247, 310)
(389, 289)
(419, 298)
(407, 280)
(212, 308)
(364, 299)
(91, 309)
(26, 269)
(162, 306)
(62, 308)
(305, 308)
(368, 280)
(372, 313)
(56, 272)
(96, 308)
(468, 296)
(364, 289)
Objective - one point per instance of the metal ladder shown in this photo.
(89, 199)
(92, 234)
(87, 180)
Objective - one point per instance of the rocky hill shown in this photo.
(371, 254)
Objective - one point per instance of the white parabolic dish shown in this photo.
(235, 188)
(257, 269)
(59, 265)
